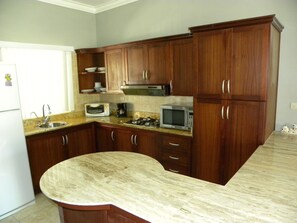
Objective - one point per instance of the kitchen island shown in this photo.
(263, 190)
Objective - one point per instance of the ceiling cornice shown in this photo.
(89, 8)
(112, 4)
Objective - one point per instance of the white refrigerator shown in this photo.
(16, 190)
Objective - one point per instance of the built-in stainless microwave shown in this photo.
(177, 116)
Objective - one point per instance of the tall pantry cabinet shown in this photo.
(236, 74)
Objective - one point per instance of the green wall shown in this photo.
(31, 21)
(153, 18)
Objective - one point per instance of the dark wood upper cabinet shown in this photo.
(90, 58)
(210, 63)
(234, 63)
(181, 74)
(148, 63)
(115, 70)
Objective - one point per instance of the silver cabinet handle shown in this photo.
(223, 86)
(112, 135)
(227, 112)
(170, 84)
(132, 139)
(228, 86)
(174, 171)
(173, 144)
(146, 77)
(63, 140)
(222, 112)
(173, 157)
(143, 75)
(135, 140)
(66, 139)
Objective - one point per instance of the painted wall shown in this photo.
(31, 21)
(153, 18)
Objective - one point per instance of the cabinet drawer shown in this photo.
(185, 170)
(176, 143)
(175, 157)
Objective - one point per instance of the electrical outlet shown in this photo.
(294, 105)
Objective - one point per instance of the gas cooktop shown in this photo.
(152, 122)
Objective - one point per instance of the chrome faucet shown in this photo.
(46, 119)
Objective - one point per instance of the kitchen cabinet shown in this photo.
(115, 71)
(233, 63)
(102, 214)
(117, 215)
(175, 153)
(172, 151)
(226, 138)
(148, 63)
(80, 140)
(111, 138)
(104, 135)
(236, 73)
(93, 57)
(47, 149)
(181, 78)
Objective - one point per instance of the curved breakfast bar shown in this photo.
(130, 187)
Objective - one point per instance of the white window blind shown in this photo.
(44, 76)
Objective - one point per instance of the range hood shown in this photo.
(151, 90)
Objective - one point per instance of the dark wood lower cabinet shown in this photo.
(110, 138)
(100, 214)
(47, 149)
(227, 134)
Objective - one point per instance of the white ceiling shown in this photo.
(91, 6)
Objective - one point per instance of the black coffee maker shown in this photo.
(122, 110)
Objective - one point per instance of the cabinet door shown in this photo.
(117, 215)
(104, 138)
(123, 140)
(146, 143)
(244, 124)
(44, 151)
(136, 63)
(181, 52)
(158, 63)
(208, 154)
(114, 61)
(250, 48)
(211, 58)
(80, 141)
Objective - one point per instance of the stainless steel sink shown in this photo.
(52, 125)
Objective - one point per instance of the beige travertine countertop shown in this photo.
(263, 190)
(75, 119)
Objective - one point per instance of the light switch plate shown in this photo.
(294, 105)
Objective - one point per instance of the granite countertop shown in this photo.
(263, 190)
(32, 129)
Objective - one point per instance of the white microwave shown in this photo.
(97, 109)
(176, 116)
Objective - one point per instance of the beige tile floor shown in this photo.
(43, 211)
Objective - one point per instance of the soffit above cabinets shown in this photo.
(91, 6)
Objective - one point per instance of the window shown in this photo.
(44, 76)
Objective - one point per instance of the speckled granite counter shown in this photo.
(263, 190)
(33, 129)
